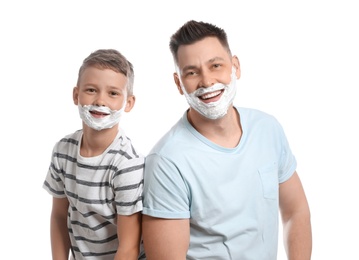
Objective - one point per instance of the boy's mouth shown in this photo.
(98, 114)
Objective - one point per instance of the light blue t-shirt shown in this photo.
(230, 195)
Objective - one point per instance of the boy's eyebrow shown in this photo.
(89, 84)
(117, 88)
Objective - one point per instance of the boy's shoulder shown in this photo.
(123, 143)
(73, 137)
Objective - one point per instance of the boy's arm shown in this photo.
(129, 236)
(165, 238)
(296, 219)
(60, 240)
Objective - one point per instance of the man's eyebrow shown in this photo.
(210, 61)
(189, 67)
(215, 59)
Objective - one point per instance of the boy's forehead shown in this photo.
(104, 76)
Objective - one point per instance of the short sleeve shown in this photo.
(166, 194)
(128, 186)
(54, 181)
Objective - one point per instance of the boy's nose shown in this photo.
(99, 100)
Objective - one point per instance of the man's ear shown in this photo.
(130, 102)
(75, 95)
(237, 65)
(178, 82)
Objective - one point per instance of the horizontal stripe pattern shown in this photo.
(98, 188)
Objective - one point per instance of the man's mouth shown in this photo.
(210, 95)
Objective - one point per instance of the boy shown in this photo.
(96, 175)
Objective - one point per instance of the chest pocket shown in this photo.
(269, 179)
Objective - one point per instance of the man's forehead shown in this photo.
(201, 52)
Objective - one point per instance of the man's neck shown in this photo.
(225, 131)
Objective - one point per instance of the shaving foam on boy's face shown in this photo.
(109, 117)
(213, 110)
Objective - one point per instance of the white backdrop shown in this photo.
(299, 60)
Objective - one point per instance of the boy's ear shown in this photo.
(130, 103)
(75, 95)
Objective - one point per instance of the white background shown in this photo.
(299, 60)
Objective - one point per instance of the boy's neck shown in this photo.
(95, 142)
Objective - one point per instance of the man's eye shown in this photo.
(113, 93)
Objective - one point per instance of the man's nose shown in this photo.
(206, 79)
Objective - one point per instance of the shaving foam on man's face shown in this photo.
(107, 117)
(217, 109)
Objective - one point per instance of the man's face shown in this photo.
(203, 64)
(206, 75)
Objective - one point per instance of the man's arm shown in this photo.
(165, 238)
(129, 236)
(60, 240)
(296, 219)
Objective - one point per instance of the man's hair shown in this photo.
(110, 59)
(193, 31)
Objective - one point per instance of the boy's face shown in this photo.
(102, 87)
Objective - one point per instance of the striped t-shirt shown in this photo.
(98, 188)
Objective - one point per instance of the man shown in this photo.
(215, 183)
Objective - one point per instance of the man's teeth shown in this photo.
(210, 95)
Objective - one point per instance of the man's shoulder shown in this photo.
(254, 114)
(252, 111)
(172, 140)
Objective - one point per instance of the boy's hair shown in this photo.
(193, 31)
(110, 59)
